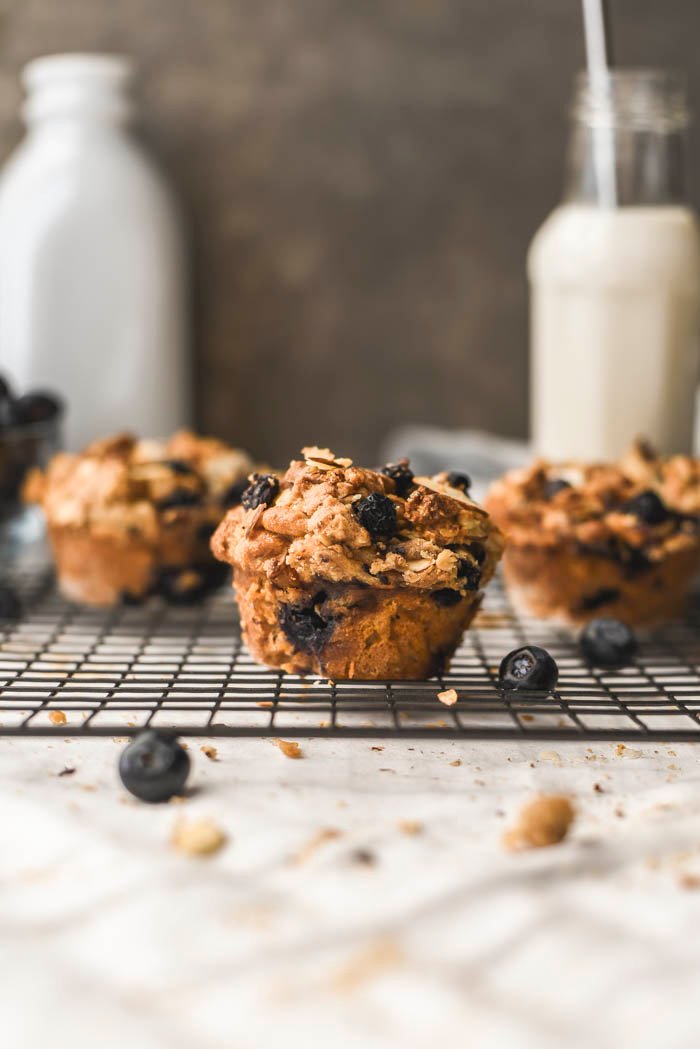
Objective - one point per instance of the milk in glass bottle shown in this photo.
(92, 273)
(615, 279)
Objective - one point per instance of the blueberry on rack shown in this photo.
(528, 668)
(608, 643)
(261, 491)
(154, 767)
(377, 514)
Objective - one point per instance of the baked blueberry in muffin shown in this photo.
(355, 573)
(618, 540)
(128, 518)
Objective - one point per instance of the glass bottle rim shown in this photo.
(643, 99)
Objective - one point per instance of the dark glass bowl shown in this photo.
(22, 448)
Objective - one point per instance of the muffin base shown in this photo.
(371, 634)
(106, 570)
(573, 587)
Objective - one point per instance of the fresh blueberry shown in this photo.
(554, 487)
(461, 481)
(377, 514)
(529, 667)
(648, 508)
(608, 643)
(154, 767)
(34, 408)
(303, 625)
(179, 497)
(261, 491)
(402, 476)
(234, 493)
(10, 604)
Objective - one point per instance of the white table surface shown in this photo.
(110, 938)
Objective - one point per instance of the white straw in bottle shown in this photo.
(596, 27)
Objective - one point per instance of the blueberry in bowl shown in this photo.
(30, 432)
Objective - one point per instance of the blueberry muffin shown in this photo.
(618, 540)
(128, 518)
(354, 573)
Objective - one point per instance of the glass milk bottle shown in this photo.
(92, 276)
(615, 279)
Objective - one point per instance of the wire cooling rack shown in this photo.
(72, 671)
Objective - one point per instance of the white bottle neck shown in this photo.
(77, 92)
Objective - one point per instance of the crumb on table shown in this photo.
(542, 822)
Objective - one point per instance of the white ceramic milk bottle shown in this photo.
(615, 280)
(92, 275)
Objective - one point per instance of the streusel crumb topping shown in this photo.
(641, 502)
(330, 520)
(122, 484)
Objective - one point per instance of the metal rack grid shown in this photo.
(114, 672)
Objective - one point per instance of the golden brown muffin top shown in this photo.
(641, 502)
(328, 520)
(123, 484)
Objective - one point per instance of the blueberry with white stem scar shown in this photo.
(608, 643)
(528, 668)
(154, 767)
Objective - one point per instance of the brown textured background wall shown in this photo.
(361, 178)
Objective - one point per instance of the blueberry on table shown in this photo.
(154, 767)
(608, 643)
(402, 476)
(648, 508)
(461, 481)
(528, 668)
(261, 491)
(34, 408)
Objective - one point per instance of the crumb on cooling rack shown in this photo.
(57, 717)
(199, 838)
(210, 752)
(542, 822)
(411, 827)
(289, 748)
(448, 697)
